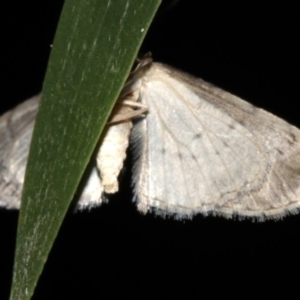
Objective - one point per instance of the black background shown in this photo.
(251, 50)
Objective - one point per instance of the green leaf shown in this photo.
(94, 48)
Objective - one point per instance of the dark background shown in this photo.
(250, 50)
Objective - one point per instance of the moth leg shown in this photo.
(121, 116)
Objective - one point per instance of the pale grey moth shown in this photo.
(197, 149)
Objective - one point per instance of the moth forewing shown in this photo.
(16, 128)
(207, 151)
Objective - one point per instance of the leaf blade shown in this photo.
(84, 63)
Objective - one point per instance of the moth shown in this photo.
(196, 148)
